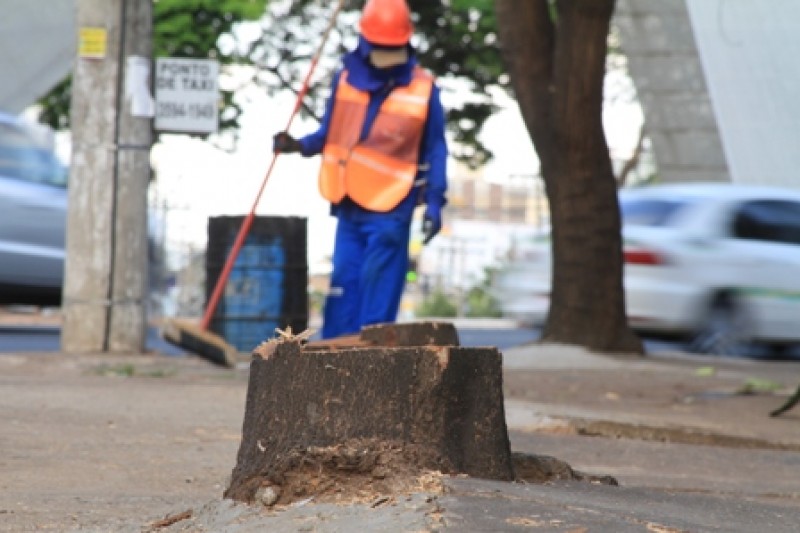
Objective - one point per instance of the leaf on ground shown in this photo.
(705, 371)
(756, 385)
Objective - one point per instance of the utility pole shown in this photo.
(105, 289)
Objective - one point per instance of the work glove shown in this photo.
(286, 144)
(431, 223)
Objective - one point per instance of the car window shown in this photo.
(768, 220)
(649, 211)
(21, 157)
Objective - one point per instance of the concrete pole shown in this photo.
(105, 288)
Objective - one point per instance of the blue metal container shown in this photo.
(267, 287)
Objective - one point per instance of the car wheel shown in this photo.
(726, 330)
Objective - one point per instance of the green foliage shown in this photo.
(128, 370)
(456, 39)
(481, 304)
(759, 385)
(438, 304)
(316, 301)
(459, 39)
(125, 370)
(192, 28)
(55, 105)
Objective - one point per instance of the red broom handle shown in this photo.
(219, 287)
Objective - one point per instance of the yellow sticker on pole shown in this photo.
(92, 43)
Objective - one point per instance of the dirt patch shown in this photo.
(358, 471)
(617, 430)
(534, 468)
(378, 472)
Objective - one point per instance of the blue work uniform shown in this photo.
(370, 257)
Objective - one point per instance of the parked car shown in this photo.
(33, 207)
(716, 263)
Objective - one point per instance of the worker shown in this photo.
(382, 140)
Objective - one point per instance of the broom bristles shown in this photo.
(206, 344)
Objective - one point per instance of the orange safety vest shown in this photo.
(378, 172)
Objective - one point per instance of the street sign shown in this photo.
(187, 95)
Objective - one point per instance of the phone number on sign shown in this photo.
(178, 110)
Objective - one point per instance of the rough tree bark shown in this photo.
(435, 407)
(556, 60)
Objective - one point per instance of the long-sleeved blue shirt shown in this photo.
(433, 149)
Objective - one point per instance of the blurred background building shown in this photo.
(718, 82)
(38, 43)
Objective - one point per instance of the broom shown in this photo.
(196, 338)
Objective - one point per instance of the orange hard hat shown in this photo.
(386, 22)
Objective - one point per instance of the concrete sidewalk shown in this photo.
(688, 438)
(678, 397)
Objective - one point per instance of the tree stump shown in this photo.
(365, 410)
(390, 334)
(411, 334)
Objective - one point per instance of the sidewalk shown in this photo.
(676, 397)
(686, 431)
(108, 443)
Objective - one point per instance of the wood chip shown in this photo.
(171, 519)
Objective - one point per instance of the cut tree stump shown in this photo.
(362, 411)
(411, 334)
(406, 334)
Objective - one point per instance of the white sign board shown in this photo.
(187, 95)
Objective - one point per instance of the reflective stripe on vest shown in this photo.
(378, 172)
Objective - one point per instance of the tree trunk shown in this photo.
(557, 71)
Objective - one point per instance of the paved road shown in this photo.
(16, 339)
(29, 339)
(47, 339)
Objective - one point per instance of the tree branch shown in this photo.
(633, 162)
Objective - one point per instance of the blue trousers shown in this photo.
(370, 260)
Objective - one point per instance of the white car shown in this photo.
(716, 263)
